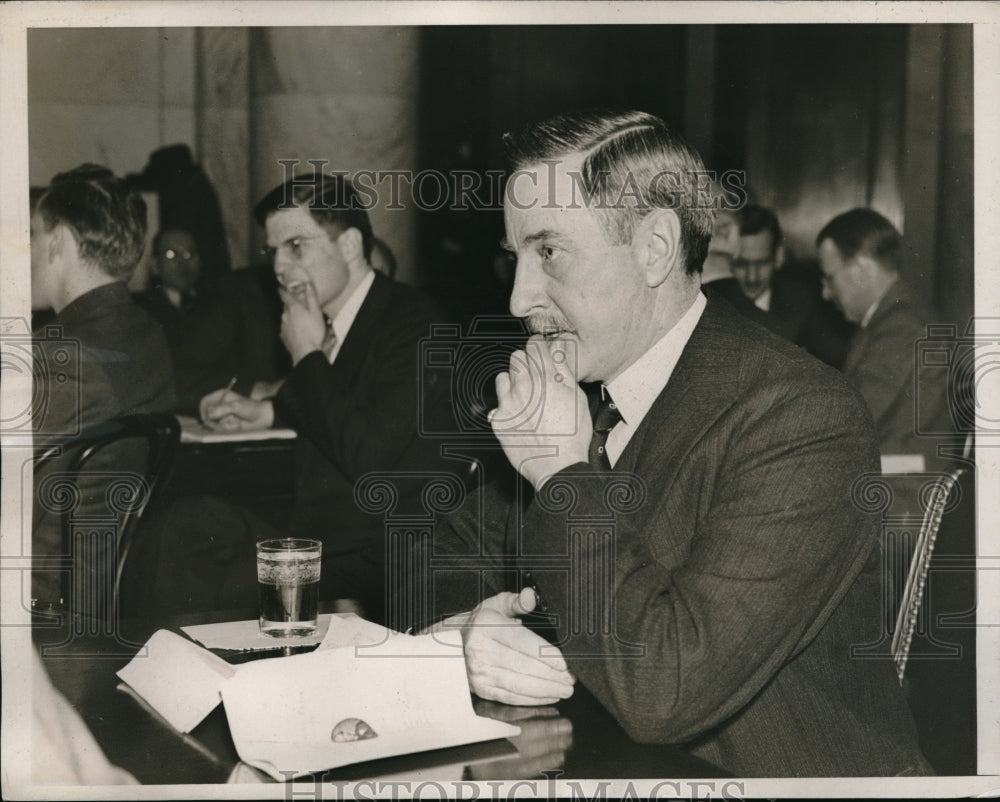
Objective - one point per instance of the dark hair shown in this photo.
(331, 200)
(864, 231)
(754, 219)
(107, 217)
(627, 154)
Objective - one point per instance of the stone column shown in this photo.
(346, 96)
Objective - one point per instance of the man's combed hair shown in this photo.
(754, 219)
(331, 200)
(864, 231)
(633, 157)
(105, 215)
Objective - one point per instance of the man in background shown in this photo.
(352, 397)
(860, 258)
(790, 298)
(106, 357)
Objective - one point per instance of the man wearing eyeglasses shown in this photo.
(352, 395)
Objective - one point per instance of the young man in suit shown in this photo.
(352, 396)
(788, 295)
(106, 356)
(696, 547)
(859, 255)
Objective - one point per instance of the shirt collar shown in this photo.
(871, 309)
(345, 317)
(635, 390)
(763, 301)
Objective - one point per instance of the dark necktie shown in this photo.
(329, 341)
(606, 417)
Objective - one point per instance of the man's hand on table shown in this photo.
(226, 411)
(504, 660)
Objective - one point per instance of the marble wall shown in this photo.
(241, 98)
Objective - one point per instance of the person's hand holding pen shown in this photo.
(227, 411)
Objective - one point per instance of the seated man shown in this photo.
(352, 396)
(696, 548)
(717, 277)
(87, 235)
(860, 257)
(791, 299)
(216, 327)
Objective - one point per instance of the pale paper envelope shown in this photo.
(178, 679)
(411, 691)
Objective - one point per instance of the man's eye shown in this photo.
(547, 252)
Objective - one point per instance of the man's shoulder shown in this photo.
(756, 356)
(403, 305)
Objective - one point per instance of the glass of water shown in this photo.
(288, 585)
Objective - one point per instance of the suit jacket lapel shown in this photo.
(365, 326)
(702, 386)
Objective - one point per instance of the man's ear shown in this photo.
(779, 257)
(657, 245)
(351, 245)
(60, 241)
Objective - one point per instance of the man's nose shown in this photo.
(281, 262)
(527, 295)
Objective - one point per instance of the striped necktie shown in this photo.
(606, 417)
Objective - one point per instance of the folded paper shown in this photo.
(177, 678)
(341, 705)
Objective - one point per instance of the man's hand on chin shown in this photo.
(541, 419)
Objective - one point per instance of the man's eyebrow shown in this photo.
(542, 235)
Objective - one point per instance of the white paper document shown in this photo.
(340, 705)
(178, 678)
(194, 431)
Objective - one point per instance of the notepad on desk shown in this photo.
(194, 431)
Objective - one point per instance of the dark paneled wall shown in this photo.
(822, 118)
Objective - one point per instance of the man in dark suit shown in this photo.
(106, 356)
(217, 326)
(696, 547)
(352, 394)
(859, 254)
(788, 294)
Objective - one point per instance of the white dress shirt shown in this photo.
(763, 301)
(342, 323)
(635, 390)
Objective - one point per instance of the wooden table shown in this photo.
(577, 737)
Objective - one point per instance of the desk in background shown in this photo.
(252, 469)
